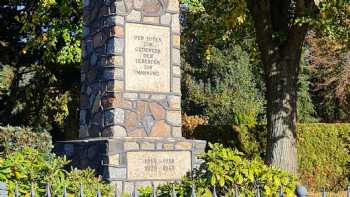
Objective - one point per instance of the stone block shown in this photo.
(131, 146)
(117, 31)
(147, 122)
(147, 146)
(175, 24)
(173, 6)
(114, 159)
(176, 57)
(157, 97)
(183, 146)
(151, 19)
(137, 133)
(168, 146)
(141, 108)
(157, 111)
(177, 132)
(151, 7)
(176, 41)
(83, 131)
(117, 173)
(134, 16)
(176, 85)
(114, 131)
(115, 61)
(174, 102)
(138, 4)
(115, 46)
(131, 120)
(160, 129)
(165, 19)
(144, 96)
(174, 118)
(130, 95)
(176, 71)
(113, 116)
(115, 147)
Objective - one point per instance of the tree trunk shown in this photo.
(280, 56)
(281, 98)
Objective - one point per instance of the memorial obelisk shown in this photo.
(130, 103)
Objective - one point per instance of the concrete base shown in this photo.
(109, 156)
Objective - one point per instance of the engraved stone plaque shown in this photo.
(158, 165)
(147, 58)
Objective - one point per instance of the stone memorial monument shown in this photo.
(130, 103)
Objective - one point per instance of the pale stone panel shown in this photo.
(147, 58)
(158, 165)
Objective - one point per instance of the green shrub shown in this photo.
(323, 149)
(324, 155)
(225, 167)
(28, 166)
(15, 138)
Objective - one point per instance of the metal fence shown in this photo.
(117, 193)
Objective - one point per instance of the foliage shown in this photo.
(329, 65)
(324, 159)
(323, 149)
(223, 88)
(306, 112)
(14, 139)
(218, 55)
(40, 44)
(29, 166)
(225, 167)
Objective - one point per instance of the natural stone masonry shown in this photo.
(130, 102)
(130, 70)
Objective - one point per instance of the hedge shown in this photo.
(15, 138)
(323, 149)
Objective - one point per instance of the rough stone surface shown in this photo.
(113, 160)
(177, 132)
(131, 146)
(117, 173)
(114, 131)
(137, 133)
(160, 129)
(174, 118)
(157, 111)
(174, 102)
(147, 146)
(134, 16)
(173, 6)
(183, 146)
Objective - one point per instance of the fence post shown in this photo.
(134, 192)
(16, 190)
(154, 190)
(81, 191)
(3, 189)
(32, 192)
(64, 191)
(214, 192)
(348, 192)
(258, 190)
(173, 194)
(324, 192)
(115, 191)
(48, 192)
(193, 192)
(281, 192)
(98, 194)
(236, 191)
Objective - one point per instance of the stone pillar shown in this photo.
(128, 89)
(130, 103)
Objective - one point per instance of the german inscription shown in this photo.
(158, 165)
(147, 58)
